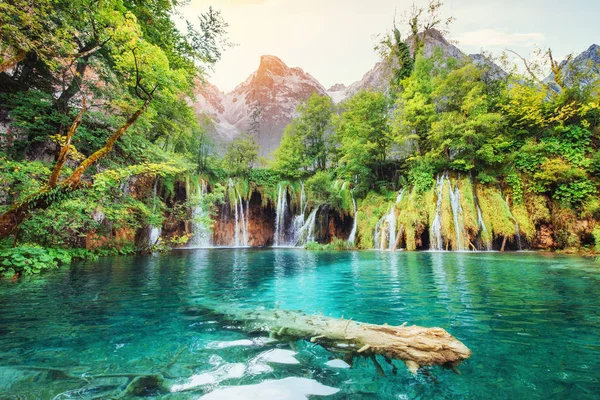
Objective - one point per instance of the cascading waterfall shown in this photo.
(243, 224)
(307, 231)
(280, 216)
(247, 220)
(298, 221)
(392, 240)
(480, 220)
(154, 230)
(481, 224)
(303, 200)
(517, 229)
(201, 232)
(457, 211)
(240, 234)
(352, 237)
(435, 234)
(377, 236)
(386, 238)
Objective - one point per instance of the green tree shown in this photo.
(466, 118)
(135, 68)
(241, 155)
(304, 143)
(364, 136)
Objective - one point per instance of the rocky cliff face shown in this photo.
(264, 104)
(261, 228)
(583, 69)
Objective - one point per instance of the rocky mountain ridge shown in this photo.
(263, 104)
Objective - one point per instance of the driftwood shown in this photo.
(415, 345)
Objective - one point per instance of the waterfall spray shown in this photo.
(457, 211)
(517, 229)
(352, 237)
(386, 238)
(280, 216)
(481, 224)
(200, 231)
(436, 226)
(298, 221)
(154, 231)
(307, 231)
(240, 233)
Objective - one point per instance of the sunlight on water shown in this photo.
(531, 320)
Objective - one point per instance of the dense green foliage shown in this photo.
(447, 115)
(117, 55)
(304, 146)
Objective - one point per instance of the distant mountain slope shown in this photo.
(585, 68)
(265, 103)
(379, 76)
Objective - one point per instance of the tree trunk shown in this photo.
(75, 178)
(64, 151)
(503, 243)
(43, 198)
(415, 345)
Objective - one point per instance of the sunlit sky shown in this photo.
(333, 39)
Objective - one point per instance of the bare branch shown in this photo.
(527, 67)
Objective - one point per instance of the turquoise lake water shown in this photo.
(531, 320)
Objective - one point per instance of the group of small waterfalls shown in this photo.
(448, 218)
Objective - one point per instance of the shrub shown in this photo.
(30, 259)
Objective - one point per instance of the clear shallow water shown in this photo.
(531, 320)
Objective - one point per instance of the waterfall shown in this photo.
(480, 219)
(200, 231)
(241, 223)
(386, 238)
(436, 227)
(303, 200)
(298, 221)
(352, 237)
(240, 230)
(236, 229)
(391, 220)
(377, 236)
(481, 223)
(154, 230)
(247, 219)
(307, 230)
(280, 216)
(517, 229)
(457, 211)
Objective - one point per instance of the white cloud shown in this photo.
(498, 38)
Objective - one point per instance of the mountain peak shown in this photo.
(338, 87)
(272, 64)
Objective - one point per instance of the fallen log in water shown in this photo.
(415, 345)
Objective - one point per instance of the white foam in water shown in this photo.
(240, 343)
(234, 343)
(283, 389)
(227, 371)
(259, 364)
(278, 356)
(337, 364)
